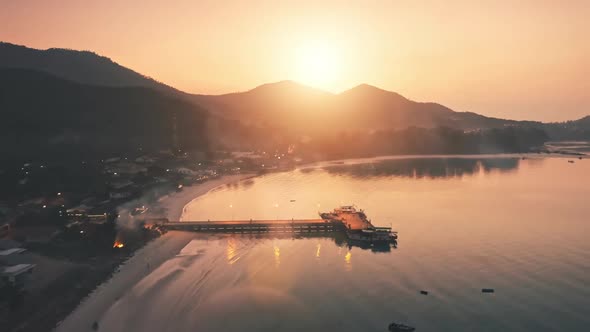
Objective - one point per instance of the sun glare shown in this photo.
(317, 65)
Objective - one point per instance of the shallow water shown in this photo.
(518, 226)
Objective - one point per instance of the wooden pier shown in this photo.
(255, 226)
(346, 221)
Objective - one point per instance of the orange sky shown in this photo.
(524, 61)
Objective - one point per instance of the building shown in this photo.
(125, 167)
(12, 270)
(16, 275)
(11, 256)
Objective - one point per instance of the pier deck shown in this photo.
(255, 226)
(355, 222)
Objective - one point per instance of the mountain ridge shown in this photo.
(85, 67)
(285, 105)
(365, 106)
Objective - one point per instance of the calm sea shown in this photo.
(519, 226)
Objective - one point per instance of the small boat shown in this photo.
(292, 200)
(395, 327)
(570, 161)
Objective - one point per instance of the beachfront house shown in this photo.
(12, 271)
(15, 275)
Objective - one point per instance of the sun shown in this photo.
(317, 64)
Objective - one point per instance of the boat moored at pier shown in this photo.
(346, 219)
(358, 227)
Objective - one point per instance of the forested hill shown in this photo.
(43, 115)
(77, 66)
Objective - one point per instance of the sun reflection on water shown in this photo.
(231, 251)
(277, 252)
(348, 261)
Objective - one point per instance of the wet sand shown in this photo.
(174, 203)
(143, 261)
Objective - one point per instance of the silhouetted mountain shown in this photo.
(267, 117)
(294, 106)
(301, 112)
(282, 104)
(77, 66)
(376, 108)
(287, 106)
(43, 115)
(569, 130)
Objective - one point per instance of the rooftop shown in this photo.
(15, 270)
(8, 252)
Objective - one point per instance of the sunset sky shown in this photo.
(513, 59)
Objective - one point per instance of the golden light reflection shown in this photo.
(231, 251)
(317, 253)
(348, 261)
(277, 252)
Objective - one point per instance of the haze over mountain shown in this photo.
(290, 104)
(277, 104)
(89, 98)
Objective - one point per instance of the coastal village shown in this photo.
(59, 233)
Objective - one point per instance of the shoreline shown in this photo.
(143, 261)
(175, 203)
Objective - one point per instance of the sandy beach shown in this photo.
(143, 261)
(173, 204)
